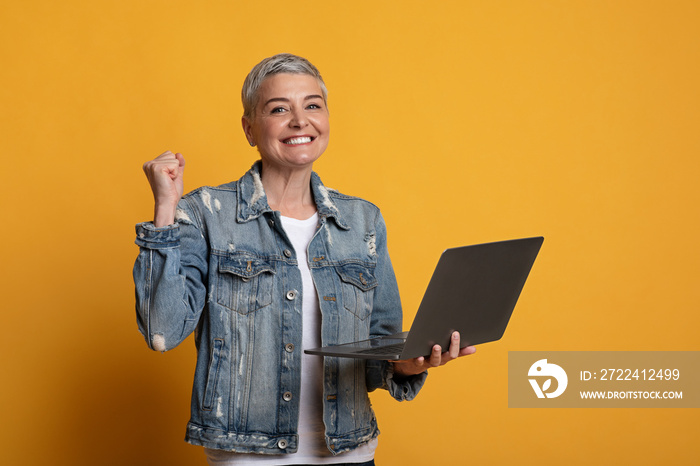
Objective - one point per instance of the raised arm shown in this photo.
(171, 268)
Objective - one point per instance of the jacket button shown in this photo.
(282, 444)
(289, 347)
(287, 253)
(291, 295)
(271, 222)
(287, 396)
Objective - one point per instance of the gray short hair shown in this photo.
(280, 63)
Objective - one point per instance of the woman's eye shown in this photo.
(314, 107)
(277, 110)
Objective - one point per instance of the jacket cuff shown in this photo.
(151, 237)
(403, 388)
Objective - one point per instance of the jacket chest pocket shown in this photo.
(358, 283)
(244, 283)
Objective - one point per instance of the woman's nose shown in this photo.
(298, 119)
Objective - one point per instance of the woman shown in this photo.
(264, 267)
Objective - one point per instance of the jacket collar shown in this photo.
(252, 200)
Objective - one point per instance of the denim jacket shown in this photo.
(227, 271)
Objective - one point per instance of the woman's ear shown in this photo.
(248, 130)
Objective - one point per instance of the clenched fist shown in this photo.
(165, 174)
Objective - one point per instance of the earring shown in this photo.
(252, 144)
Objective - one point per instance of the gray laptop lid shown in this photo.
(473, 290)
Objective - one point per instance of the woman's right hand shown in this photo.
(165, 174)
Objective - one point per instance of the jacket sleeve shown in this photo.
(170, 279)
(387, 320)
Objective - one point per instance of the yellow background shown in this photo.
(466, 121)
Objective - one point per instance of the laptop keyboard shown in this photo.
(395, 348)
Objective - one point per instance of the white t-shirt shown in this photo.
(312, 443)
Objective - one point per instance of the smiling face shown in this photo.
(290, 125)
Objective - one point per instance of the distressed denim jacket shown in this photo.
(227, 271)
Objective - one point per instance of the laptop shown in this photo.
(473, 290)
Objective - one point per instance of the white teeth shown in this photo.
(302, 140)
